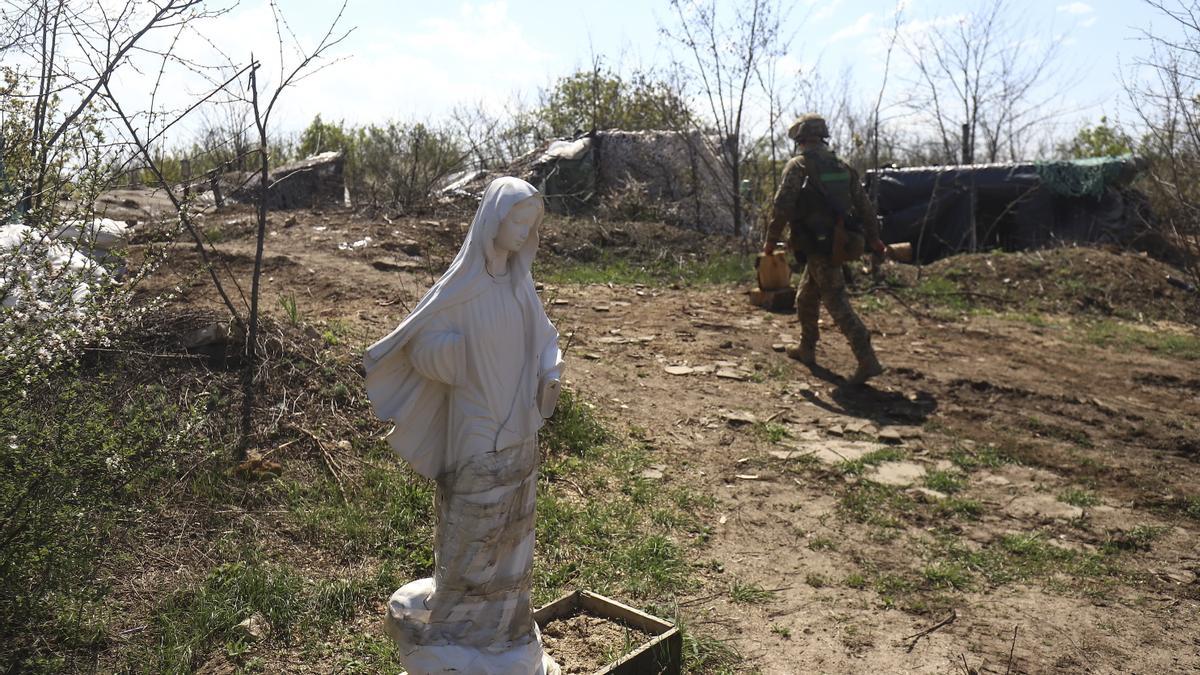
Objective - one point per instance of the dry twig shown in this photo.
(916, 637)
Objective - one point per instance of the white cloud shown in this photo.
(478, 52)
(1076, 8)
(472, 51)
(825, 9)
(861, 26)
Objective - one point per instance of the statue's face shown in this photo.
(517, 225)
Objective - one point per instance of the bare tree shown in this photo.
(1166, 104)
(980, 76)
(262, 103)
(495, 138)
(259, 101)
(721, 58)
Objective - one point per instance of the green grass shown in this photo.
(618, 538)
(979, 457)
(947, 575)
(1078, 497)
(948, 482)
(1032, 318)
(1021, 557)
(822, 544)
(1114, 334)
(816, 580)
(770, 432)
(718, 269)
(939, 291)
(859, 466)
(959, 507)
(1140, 538)
(1192, 507)
(749, 593)
(290, 309)
(191, 620)
(321, 561)
(877, 505)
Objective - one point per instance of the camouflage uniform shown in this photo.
(823, 281)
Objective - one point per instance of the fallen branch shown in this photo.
(916, 637)
(330, 463)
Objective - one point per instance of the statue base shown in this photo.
(408, 617)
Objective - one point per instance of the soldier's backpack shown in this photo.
(837, 233)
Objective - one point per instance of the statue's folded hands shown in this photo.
(439, 355)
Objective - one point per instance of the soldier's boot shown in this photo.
(866, 370)
(804, 353)
(857, 335)
(868, 363)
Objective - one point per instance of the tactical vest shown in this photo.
(831, 225)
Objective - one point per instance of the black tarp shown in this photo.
(1015, 206)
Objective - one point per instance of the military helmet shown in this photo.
(810, 125)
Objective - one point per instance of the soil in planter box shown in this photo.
(584, 643)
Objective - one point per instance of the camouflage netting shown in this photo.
(314, 181)
(1085, 177)
(680, 172)
(663, 175)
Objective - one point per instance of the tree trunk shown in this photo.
(251, 365)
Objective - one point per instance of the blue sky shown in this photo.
(416, 60)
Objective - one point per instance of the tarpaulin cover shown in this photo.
(943, 210)
(1083, 177)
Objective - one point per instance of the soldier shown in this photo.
(830, 219)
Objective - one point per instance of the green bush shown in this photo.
(76, 449)
(392, 165)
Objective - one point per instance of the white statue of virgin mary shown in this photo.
(468, 379)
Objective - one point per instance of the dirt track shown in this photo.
(809, 566)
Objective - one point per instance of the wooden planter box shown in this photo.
(662, 655)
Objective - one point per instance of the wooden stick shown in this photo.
(916, 637)
(330, 463)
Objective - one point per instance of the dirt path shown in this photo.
(1006, 472)
(1116, 421)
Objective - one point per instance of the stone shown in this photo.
(655, 472)
(214, 334)
(740, 417)
(929, 495)
(473, 432)
(679, 370)
(1040, 506)
(889, 435)
(255, 627)
(397, 265)
(833, 452)
(897, 474)
(730, 374)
